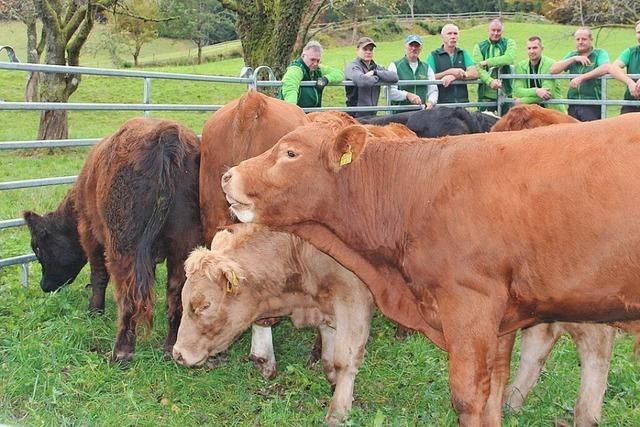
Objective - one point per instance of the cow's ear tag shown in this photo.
(346, 157)
(233, 284)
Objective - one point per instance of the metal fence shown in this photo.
(250, 78)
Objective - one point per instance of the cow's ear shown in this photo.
(348, 145)
(234, 279)
(33, 220)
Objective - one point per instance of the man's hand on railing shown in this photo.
(575, 82)
(634, 89)
(495, 84)
(321, 83)
(413, 98)
(446, 80)
(543, 93)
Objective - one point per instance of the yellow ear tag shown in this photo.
(346, 157)
(233, 284)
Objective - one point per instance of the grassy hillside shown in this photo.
(54, 356)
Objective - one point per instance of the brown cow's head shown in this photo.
(56, 244)
(296, 180)
(214, 310)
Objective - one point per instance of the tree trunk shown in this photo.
(33, 57)
(67, 26)
(354, 32)
(53, 125)
(268, 33)
(199, 53)
(136, 54)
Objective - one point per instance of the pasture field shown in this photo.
(54, 356)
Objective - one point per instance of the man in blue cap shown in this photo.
(410, 67)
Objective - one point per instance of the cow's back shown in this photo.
(113, 191)
(242, 129)
(554, 208)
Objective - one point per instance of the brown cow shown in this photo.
(251, 273)
(135, 201)
(243, 128)
(340, 119)
(529, 116)
(490, 232)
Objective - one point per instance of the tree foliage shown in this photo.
(593, 12)
(204, 22)
(137, 27)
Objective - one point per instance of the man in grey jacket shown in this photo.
(365, 73)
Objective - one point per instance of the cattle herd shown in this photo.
(465, 238)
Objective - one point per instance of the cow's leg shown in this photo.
(499, 378)
(175, 281)
(471, 335)
(121, 269)
(316, 351)
(537, 342)
(352, 332)
(99, 278)
(262, 350)
(328, 344)
(595, 346)
(99, 273)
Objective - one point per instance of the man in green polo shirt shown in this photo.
(307, 68)
(450, 63)
(536, 91)
(496, 54)
(410, 67)
(629, 58)
(590, 63)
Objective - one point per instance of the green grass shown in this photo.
(54, 356)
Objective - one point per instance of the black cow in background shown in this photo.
(439, 121)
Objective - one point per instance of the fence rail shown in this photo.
(446, 17)
(251, 82)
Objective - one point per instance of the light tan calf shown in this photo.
(252, 273)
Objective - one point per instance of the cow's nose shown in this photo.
(178, 356)
(226, 177)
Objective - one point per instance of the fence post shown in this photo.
(387, 94)
(500, 95)
(24, 274)
(603, 86)
(146, 97)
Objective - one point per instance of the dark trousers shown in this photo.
(585, 113)
(629, 109)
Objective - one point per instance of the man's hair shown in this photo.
(496, 21)
(448, 26)
(312, 45)
(587, 29)
(535, 38)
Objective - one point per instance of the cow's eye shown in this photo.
(292, 154)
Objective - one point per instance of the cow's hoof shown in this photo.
(96, 309)
(122, 358)
(267, 367)
(402, 332)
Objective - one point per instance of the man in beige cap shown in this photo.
(365, 73)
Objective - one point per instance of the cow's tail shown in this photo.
(161, 165)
